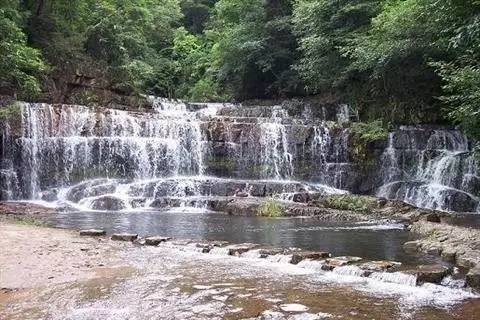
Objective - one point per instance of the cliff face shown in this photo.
(48, 148)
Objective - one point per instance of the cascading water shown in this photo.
(180, 154)
(431, 168)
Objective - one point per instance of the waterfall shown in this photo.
(431, 168)
(68, 144)
(183, 154)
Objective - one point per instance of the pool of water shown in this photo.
(371, 240)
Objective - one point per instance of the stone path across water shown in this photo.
(124, 281)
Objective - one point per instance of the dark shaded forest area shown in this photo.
(400, 61)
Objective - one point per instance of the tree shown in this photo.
(324, 28)
(254, 48)
(20, 64)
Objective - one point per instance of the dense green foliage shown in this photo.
(400, 61)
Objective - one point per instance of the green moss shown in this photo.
(10, 112)
(363, 135)
(271, 208)
(224, 164)
(29, 221)
(258, 170)
(350, 202)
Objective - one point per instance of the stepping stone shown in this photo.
(430, 273)
(155, 241)
(311, 255)
(207, 246)
(264, 253)
(332, 263)
(379, 266)
(124, 237)
(238, 249)
(93, 233)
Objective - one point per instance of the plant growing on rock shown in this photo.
(363, 135)
(271, 208)
(10, 111)
(350, 202)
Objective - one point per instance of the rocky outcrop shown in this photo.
(454, 244)
(430, 273)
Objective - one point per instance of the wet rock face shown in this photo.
(430, 167)
(473, 278)
(108, 203)
(423, 165)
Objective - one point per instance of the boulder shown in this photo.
(430, 273)
(473, 278)
(459, 201)
(124, 237)
(301, 197)
(155, 241)
(93, 233)
(108, 203)
(310, 255)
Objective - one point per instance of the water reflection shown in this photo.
(368, 240)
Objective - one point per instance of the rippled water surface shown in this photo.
(375, 240)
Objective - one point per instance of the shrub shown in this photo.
(370, 131)
(271, 208)
(350, 202)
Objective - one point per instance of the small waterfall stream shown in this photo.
(430, 167)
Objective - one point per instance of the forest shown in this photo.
(400, 61)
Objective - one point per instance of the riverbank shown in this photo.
(68, 276)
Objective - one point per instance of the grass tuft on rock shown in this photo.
(271, 208)
(350, 202)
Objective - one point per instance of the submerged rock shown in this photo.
(93, 232)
